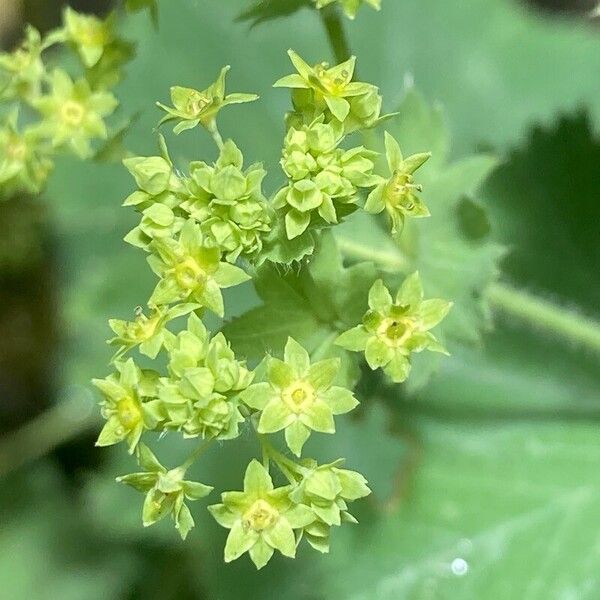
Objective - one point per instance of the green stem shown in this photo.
(216, 136)
(335, 33)
(288, 467)
(195, 455)
(394, 261)
(545, 315)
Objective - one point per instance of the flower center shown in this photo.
(397, 192)
(197, 103)
(260, 516)
(144, 328)
(189, 275)
(299, 396)
(395, 332)
(334, 85)
(72, 113)
(129, 412)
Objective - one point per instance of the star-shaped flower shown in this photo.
(73, 113)
(398, 194)
(23, 164)
(261, 519)
(147, 332)
(327, 489)
(129, 405)
(88, 34)
(394, 328)
(192, 107)
(191, 271)
(299, 397)
(332, 85)
(166, 491)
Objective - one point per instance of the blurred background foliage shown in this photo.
(486, 480)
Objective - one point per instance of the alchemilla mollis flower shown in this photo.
(24, 165)
(166, 491)
(323, 89)
(190, 270)
(327, 489)
(192, 107)
(398, 195)
(88, 34)
(299, 397)
(74, 113)
(146, 332)
(394, 328)
(129, 405)
(261, 519)
(22, 71)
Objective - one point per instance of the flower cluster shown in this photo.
(263, 518)
(226, 201)
(70, 110)
(204, 228)
(331, 91)
(200, 395)
(322, 176)
(394, 328)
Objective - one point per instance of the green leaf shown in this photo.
(301, 305)
(489, 499)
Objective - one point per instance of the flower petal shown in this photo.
(296, 435)
(340, 400)
(239, 541)
(322, 374)
(258, 395)
(319, 417)
(257, 479)
(277, 415)
(281, 537)
(378, 353)
(297, 357)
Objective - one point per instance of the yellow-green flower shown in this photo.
(398, 194)
(146, 332)
(192, 107)
(327, 489)
(166, 491)
(73, 113)
(88, 34)
(325, 89)
(23, 164)
(299, 397)
(261, 519)
(395, 328)
(129, 405)
(22, 70)
(191, 270)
